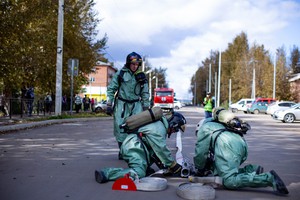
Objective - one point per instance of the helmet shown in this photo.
(132, 58)
(176, 122)
(216, 112)
(222, 115)
(230, 120)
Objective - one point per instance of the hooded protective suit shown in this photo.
(137, 151)
(230, 151)
(131, 98)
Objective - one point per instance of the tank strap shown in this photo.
(128, 101)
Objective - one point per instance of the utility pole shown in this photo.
(219, 79)
(209, 78)
(253, 82)
(59, 57)
(274, 79)
(195, 102)
(229, 100)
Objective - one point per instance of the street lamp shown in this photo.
(253, 78)
(156, 81)
(150, 82)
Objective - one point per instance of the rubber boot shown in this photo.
(278, 184)
(100, 177)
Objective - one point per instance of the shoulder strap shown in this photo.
(213, 142)
(120, 77)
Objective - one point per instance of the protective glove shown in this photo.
(109, 110)
(145, 108)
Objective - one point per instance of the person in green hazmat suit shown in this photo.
(128, 92)
(221, 149)
(145, 147)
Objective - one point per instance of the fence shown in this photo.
(19, 107)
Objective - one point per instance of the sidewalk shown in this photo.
(17, 123)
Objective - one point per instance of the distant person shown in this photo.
(209, 104)
(78, 103)
(129, 92)
(86, 103)
(92, 104)
(48, 103)
(64, 103)
(30, 99)
(3, 108)
(220, 150)
(23, 97)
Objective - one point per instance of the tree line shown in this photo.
(237, 63)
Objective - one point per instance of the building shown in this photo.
(295, 87)
(99, 80)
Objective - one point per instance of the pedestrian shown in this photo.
(144, 147)
(221, 149)
(86, 103)
(209, 104)
(30, 99)
(77, 103)
(92, 104)
(48, 103)
(64, 103)
(3, 108)
(23, 97)
(128, 91)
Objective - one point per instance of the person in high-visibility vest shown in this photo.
(209, 104)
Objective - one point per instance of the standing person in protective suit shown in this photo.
(129, 92)
(145, 147)
(221, 149)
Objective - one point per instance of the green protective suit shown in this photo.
(230, 151)
(131, 99)
(138, 154)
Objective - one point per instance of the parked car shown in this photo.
(279, 105)
(241, 105)
(289, 115)
(101, 106)
(177, 105)
(260, 105)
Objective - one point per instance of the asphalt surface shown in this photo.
(56, 159)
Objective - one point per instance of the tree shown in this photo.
(294, 59)
(238, 62)
(28, 32)
(282, 84)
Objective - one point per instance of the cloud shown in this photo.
(179, 34)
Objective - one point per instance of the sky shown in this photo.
(179, 34)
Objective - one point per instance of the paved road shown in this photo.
(58, 161)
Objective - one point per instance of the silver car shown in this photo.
(279, 105)
(101, 106)
(290, 115)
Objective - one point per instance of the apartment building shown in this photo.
(99, 80)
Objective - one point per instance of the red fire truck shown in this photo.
(164, 98)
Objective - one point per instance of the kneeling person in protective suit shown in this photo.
(145, 147)
(221, 149)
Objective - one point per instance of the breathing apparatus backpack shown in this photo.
(133, 122)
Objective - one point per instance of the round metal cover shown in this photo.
(195, 191)
(151, 184)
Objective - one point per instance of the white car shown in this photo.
(279, 105)
(241, 105)
(101, 106)
(290, 115)
(177, 105)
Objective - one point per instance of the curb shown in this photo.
(18, 127)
